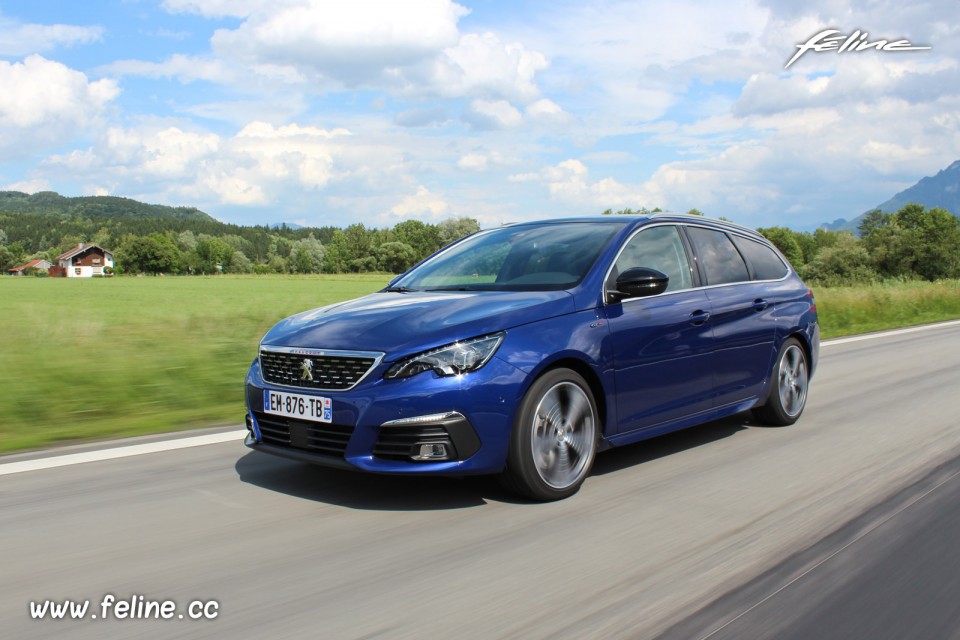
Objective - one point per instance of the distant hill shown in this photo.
(47, 221)
(50, 203)
(941, 190)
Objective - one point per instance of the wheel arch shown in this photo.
(587, 373)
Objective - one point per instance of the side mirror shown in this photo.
(639, 282)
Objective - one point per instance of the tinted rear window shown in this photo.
(719, 259)
(766, 264)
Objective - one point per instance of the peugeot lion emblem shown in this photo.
(306, 369)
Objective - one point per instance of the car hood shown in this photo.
(404, 323)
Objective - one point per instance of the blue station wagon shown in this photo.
(526, 349)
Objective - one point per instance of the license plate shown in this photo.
(297, 405)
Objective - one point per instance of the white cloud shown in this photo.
(422, 205)
(409, 49)
(483, 65)
(549, 113)
(569, 184)
(45, 103)
(260, 164)
(28, 186)
(491, 114)
(17, 39)
(355, 43)
(482, 159)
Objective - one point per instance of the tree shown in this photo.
(874, 222)
(357, 241)
(785, 240)
(6, 258)
(299, 261)
(335, 258)
(240, 263)
(213, 255)
(931, 241)
(452, 229)
(425, 239)
(395, 257)
(306, 256)
(846, 262)
(913, 242)
(359, 265)
(187, 241)
(154, 253)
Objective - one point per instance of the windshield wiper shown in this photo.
(400, 289)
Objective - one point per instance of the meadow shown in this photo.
(87, 359)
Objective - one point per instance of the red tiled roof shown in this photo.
(30, 264)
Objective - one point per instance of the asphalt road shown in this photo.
(728, 529)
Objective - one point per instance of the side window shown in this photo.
(766, 264)
(658, 248)
(720, 261)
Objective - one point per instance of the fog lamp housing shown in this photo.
(431, 451)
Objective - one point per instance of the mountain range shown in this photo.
(941, 190)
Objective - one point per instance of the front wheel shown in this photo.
(554, 439)
(788, 386)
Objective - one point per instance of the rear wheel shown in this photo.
(554, 438)
(788, 386)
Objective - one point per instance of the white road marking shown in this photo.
(889, 334)
(217, 438)
(119, 452)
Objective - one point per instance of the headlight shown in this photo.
(451, 360)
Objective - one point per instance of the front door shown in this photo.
(661, 345)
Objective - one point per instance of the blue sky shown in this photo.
(331, 113)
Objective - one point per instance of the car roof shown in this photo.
(640, 219)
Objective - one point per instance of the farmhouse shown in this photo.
(39, 264)
(85, 261)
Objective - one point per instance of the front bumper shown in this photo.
(379, 426)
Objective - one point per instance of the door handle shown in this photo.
(760, 304)
(698, 317)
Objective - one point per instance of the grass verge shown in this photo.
(848, 310)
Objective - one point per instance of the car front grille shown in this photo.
(323, 438)
(397, 443)
(330, 371)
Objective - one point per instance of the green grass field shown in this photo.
(127, 356)
(84, 359)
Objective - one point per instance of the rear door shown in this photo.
(743, 316)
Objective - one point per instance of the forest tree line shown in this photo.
(170, 246)
(913, 243)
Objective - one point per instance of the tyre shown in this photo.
(788, 386)
(554, 439)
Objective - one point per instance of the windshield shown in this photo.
(533, 257)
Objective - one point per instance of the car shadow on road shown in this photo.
(632, 455)
(356, 490)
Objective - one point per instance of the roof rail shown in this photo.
(690, 216)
